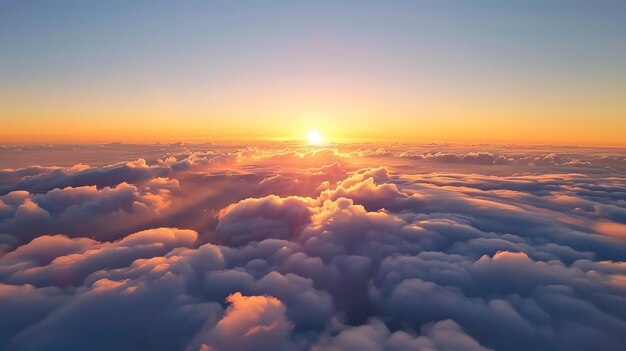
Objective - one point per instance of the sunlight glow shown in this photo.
(314, 138)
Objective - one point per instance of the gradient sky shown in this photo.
(142, 71)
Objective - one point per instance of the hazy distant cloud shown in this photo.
(295, 249)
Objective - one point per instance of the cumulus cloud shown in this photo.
(203, 247)
(375, 335)
(250, 323)
(104, 213)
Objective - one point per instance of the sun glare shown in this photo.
(314, 138)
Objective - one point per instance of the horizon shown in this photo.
(302, 143)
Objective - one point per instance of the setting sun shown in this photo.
(314, 138)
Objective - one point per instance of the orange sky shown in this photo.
(356, 117)
(412, 72)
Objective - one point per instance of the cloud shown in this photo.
(105, 213)
(61, 261)
(129, 172)
(375, 335)
(258, 219)
(249, 323)
(204, 247)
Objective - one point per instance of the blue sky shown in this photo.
(562, 57)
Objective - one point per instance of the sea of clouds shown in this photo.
(283, 247)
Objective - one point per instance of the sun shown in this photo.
(314, 137)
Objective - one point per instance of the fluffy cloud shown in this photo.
(250, 323)
(201, 247)
(442, 335)
(104, 213)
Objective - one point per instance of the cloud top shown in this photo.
(352, 247)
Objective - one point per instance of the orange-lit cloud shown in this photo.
(330, 248)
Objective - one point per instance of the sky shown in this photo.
(524, 72)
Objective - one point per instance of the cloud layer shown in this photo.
(277, 247)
